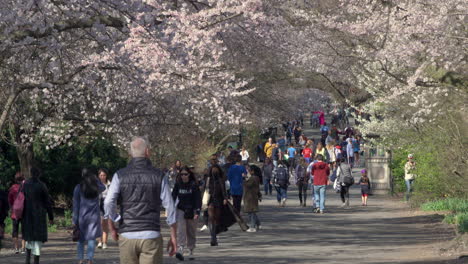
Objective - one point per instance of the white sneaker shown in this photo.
(283, 202)
(251, 230)
(259, 227)
(104, 246)
(204, 227)
(99, 245)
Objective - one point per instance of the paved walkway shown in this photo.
(383, 232)
(386, 231)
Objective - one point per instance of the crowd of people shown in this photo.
(127, 208)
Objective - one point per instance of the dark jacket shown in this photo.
(189, 196)
(140, 196)
(301, 174)
(268, 171)
(4, 207)
(36, 204)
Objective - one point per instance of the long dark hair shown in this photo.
(191, 175)
(216, 172)
(89, 185)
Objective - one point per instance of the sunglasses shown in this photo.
(184, 174)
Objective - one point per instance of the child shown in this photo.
(365, 184)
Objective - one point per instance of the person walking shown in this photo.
(12, 194)
(307, 153)
(365, 184)
(350, 152)
(292, 153)
(86, 213)
(141, 190)
(344, 177)
(267, 171)
(37, 204)
(104, 178)
(302, 181)
(245, 156)
(236, 175)
(215, 184)
(276, 155)
(187, 192)
(320, 171)
(281, 181)
(268, 148)
(252, 196)
(410, 167)
(4, 208)
(331, 154)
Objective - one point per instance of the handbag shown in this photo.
(206, 196)
(18, 204)
(76, 233)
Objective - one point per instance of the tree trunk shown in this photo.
(26, 158)
(6, 109)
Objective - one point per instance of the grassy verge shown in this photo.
(458, 209)
(61, 222)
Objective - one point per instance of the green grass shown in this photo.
(458, 207)
(64, 222)
(461, 221)
(451, 204)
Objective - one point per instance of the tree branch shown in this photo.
(108, 21)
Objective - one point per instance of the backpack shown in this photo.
(347, 176)
(18, 204)
(282, 176)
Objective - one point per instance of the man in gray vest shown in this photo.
(141, 190)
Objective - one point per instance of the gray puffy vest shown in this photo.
(140, 196)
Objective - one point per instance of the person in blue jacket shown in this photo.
(236, 175)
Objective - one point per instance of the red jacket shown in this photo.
(320, 170)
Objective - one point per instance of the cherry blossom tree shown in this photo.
(70, 68)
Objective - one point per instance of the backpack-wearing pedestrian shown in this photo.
(302, 181)
(345, 179)
(86, 213)
(37, 204)
(281, 182)
(141, 189)
(12, 193)
(252, 196)
(187, 193)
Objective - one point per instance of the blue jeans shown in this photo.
(409, 184)
(281, 192)
(89, 250)
(254, 221)
(267, 186)
(319, 195)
